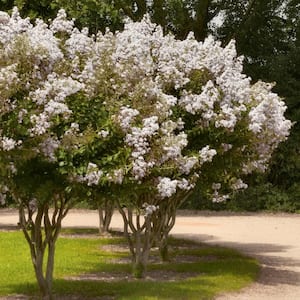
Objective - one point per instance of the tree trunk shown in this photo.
(50, 264)
(166, 221)
(140, 240)
(200, 23)
(105, 211)
(45, 289)
(164, 249)
(40, 238)
(139, 266)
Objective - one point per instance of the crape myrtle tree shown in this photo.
(42, 95)
(177, 113)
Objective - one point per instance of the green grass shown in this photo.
(216, 270)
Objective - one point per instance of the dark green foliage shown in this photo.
(94, 14)
(36, 9)
(6, 4)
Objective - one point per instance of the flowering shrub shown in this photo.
(139, 111)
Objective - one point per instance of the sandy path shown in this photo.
(273, 239)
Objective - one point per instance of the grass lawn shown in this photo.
(93, 267)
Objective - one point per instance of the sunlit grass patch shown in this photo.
(94, 267)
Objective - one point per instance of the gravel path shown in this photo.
(273, 239)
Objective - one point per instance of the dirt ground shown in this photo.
(273, 239)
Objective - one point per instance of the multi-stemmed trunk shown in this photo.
(41, 228)
(143, 231)
(105, 211)
(165, 221)
(138, 230)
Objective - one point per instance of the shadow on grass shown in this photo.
(203, 277)
(212, 278)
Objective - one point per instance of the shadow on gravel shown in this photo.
(5, 227)
(275, 269)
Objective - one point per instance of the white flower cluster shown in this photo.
(126, 117)
(79, 42)
(7, 143)
(93, 174)
(238, 184)
(103, 133)
(56, 88)
(149, 209)
(267, 119)
(186, 164)
(207, 154)
(117, 176)
(47, 79)
(61, 23)
(138, 139)
(8, 74)
(48, 148)
(10, 26)
(73, 130)
(173, 145)
(40, 37)
(217, 197)
(168, 187)
(40, 124)
(203, 103)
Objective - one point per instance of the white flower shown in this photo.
(149, 209)
(238, 184)
(93, 174)
(207, 154)
(48, 148)
(74, 128)
(79, 43)
(217, 198)
(126, 117)
(8, 143)
(216, 186)
(41, 124)
(186, 164)
(166, 187)
(117, 176)
(185, 185)
(194, 103)
(61, 23)
(103, 133)
(53, 108)
(174, 144)
(4, 18)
